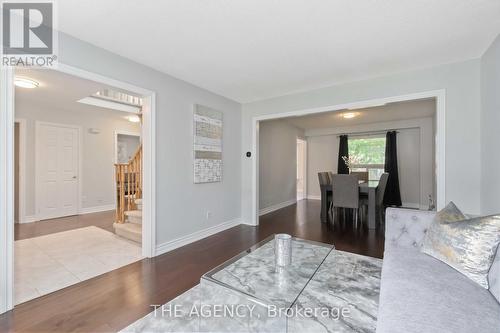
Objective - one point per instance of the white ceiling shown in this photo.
(60, 91)
(390, 112)
(254, 49)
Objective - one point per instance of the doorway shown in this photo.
(11, 202)
(71, 189)
(301, 169)
(439, 151)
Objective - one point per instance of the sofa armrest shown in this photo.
(406, 228)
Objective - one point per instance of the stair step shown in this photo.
(131, 231)
(133, 216)
(138, 203)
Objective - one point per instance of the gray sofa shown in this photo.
(421, 294)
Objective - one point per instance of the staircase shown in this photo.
(128, 219)
(131, 228)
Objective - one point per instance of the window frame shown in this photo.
(366, 167)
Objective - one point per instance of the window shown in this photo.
(369, 154)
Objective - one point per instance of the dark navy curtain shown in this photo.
(343, 151)
(392, 195)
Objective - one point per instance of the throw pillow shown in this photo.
(467, 245)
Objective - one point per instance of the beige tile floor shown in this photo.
(48, 263)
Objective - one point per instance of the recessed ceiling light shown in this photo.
(349, 115)
(134, 119)
(25, 83)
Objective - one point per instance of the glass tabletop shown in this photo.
(254, 273)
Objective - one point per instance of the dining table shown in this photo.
(365, 187)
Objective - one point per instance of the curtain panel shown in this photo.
(392, 196)
(343, 151)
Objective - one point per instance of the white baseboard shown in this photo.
(272, 208)
(195, 236)
(96, 209)
(29, 219)
(82, 211)
(314, 197)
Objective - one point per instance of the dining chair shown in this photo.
(330, 176)
(326, 196)
(345, 194)
(379, 198)
(379, 195)
(362, 175)
(323, 178)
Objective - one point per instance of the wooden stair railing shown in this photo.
(128, 184)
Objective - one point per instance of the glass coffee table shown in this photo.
(246, 293)
(251, 294)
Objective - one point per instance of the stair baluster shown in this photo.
(128, 184)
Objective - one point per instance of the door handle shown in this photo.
(74, 177)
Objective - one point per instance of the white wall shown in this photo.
(410, 154)
(322, 155)
(461, 82)
(415, 157)
(98, 153)
(490, 130)
(277, 163)
(181, 207)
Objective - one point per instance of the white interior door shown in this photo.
(57, 169)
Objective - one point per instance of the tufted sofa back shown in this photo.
(406, 228)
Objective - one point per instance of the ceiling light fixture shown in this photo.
(134, 119)
(349, 115)
(25, 83)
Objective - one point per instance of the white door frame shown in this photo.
(304, 171)
(38, 177)
(440, 151)
(22, 169)
(120, 132)
(7, 166)
(6, 188)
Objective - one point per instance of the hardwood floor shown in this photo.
(102, 220)
(303, 221)
(114, 300)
